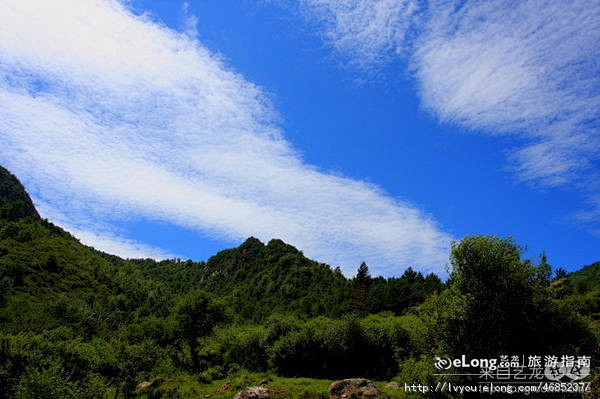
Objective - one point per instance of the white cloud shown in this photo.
(109, 116)
(190, 21)
(527, 67)
(368, 30)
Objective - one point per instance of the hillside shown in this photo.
(587, 278)
(258, 280)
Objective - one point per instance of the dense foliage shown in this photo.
(78, 323)
(258, 280)
(488, 273)
(585, 279)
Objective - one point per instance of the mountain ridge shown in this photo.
(257, 279)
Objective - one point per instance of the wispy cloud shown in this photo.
(109, 116)
(530, 68)
(370, 31)
(526, 67)
(190, 21)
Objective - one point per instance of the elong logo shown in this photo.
(444, 363)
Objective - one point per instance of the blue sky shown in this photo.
(355, 130)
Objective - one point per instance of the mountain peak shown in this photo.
(15, 203)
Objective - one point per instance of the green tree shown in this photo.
(361, 284)
(497, 304)
(492, 294)
(362, 274)
(543, 272)
(560, 273)
(197, 313)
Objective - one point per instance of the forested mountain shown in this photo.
(14, 200)
(258, 280)
(79, 323)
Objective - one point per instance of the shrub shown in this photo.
(53, 382)
(326, 348)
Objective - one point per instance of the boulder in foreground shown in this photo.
(360, 387)
(253, 393)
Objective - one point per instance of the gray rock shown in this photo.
(253, 393)
(360, 387)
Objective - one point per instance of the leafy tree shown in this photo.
(361, 284)
(560, 273)
(543, 272)
(498, 306)
(197, 313)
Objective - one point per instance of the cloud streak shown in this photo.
(110, 116)
(529, 68)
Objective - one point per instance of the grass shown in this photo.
(187, 386)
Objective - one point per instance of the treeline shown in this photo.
(258, 280)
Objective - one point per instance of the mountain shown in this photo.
(41, 260)
(258, 280)
(76, 322)
(587, 278)
(14, 200)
